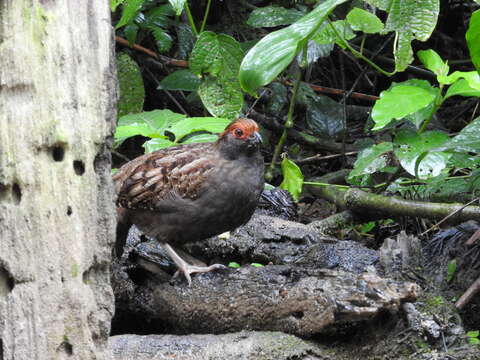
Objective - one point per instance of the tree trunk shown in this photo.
(57, 112)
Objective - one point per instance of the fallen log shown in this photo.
(285, 298)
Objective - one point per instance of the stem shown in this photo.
(205, 16)
(438, 103)
(288, 125)
(362, 44)
(190, 19)
(358, 54)
(325, 184)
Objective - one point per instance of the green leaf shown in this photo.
(473, 333)
(362, 20)
(131, 31)
(433, 62)
(473, 39)
(132, 92)
(180, 80)
(221, 97)
(130, 9)
(157, 144)
(114, 4)
(233, 265)
(273, 53)
(324, 116)
(371, 159)
(326, 34)
(256, 265)
(413, 95)
(162, 39)
(473, 341)
(187, 126)
(466, 141)
(200, 138)
(216, 54)
(270, 16)
(462, 88)
(413, 152)
(365, 228)
(451, 268)
(472, 77)
(177, 6)
(149, 123)
(292, 178)
(410, 20)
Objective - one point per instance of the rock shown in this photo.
(245, 345)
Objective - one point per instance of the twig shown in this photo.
(288, 125)
(320, 157)
(175, 101)
(473, 238)
(165, 59)
(468, 295)
(328, 90)
(435, 226)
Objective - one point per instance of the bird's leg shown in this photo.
(185, 267)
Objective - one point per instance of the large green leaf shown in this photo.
(362, 20)
(372, 159)
(132, 92)
(413, 152)
(190, 125)
(271, 55)
(473, 39)
(180, 80)
(218, 56)
(157, 144)
(467, 140)
(433, 62)
(410, 20)
(401, 100)
(149, 123)
(292, 178)
(270, 16)
(221, 97)
(130, 9)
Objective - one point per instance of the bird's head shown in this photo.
(240, 136)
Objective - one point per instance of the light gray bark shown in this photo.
(57, 97)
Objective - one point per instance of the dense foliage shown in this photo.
(265, 56)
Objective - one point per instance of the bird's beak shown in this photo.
(255, 138)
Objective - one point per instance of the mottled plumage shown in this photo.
(191, 192)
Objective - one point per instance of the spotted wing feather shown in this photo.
(173, 172)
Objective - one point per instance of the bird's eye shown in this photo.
(238, 132)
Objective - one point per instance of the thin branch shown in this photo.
(468, 295)
(164, 59)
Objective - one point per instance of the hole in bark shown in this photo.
(79, 167)
(17, 193)
(69, 210)
(86, 277)
(97, 163)
(65, 347)
(6, 282)
(1, 349)
(298, 314)
(58, 153)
